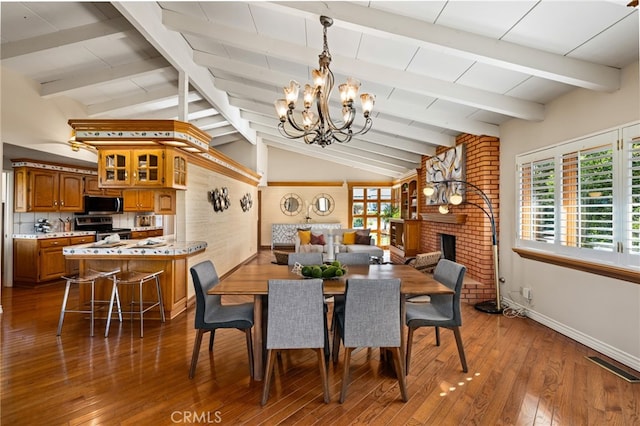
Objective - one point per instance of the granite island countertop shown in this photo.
(136, 248)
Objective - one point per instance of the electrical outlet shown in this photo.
(526, 293)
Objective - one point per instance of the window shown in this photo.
(582, 198)
(366, 205)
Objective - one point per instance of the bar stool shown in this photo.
(133, 278)
(89, 278)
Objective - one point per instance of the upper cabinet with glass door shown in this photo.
(142, 168)
(148, 167)
(114, 168)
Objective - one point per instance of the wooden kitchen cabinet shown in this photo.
(140, 235)
(113, 168)
(138, 200)
(37, 261)
(142, 167)
(52, 262)
(165, 201)
(148, 167)
(122, 168)
(92, 187)
(43, 190)
(176, 169)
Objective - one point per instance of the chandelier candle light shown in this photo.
(489, 306)
(321, 129)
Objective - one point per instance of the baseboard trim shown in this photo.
(597, 345)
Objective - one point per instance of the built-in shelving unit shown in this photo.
(404, 237)
(409, 200)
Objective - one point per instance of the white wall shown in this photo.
(289, 166)
(600, 312)
(286, 166)
(272, 198)
(41, 124)
(231, 234)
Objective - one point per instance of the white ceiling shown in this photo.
(437, 68)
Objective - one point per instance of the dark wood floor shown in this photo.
(520, 373)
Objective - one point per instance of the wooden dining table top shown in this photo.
(253, 279)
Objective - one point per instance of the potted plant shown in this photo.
(389, 211)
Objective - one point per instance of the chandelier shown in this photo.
(318, 127)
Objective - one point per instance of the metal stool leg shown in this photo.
(159, 290)
(114, 293)
(141, 308)
(90, 280)
(139, 279)
(64, 307)
(93, 307)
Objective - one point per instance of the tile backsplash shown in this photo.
(24, 223)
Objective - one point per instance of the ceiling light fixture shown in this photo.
(321, 129)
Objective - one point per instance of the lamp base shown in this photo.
(489, 307)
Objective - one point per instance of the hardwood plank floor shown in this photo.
(520, 373)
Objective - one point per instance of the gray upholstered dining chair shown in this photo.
(305, 258)
(295, 321)
(346, 259)
(371, 318)
(442, 311)
(211, 314)
(353, 258)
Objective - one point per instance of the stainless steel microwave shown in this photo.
(102, 205)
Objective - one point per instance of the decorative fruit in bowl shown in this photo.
(334, 270)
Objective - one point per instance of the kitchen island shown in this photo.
(147, 255)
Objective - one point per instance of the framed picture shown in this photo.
(449, 165)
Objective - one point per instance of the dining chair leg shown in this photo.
(437, 336)
(402, 380)
(249, 350)
(213, 335)
(345, 374)
(463, 359)
(409, 347)
(196, 352)
(335, 350)
(267, 377)
(323, 374)
(327, 348)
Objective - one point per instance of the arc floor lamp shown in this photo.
(489, 306)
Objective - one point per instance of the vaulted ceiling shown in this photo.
(437, 68)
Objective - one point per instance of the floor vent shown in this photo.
(615, 370)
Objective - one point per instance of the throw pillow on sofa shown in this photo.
(316, 239)
(305, 236)
(363, 237)
(349, 238)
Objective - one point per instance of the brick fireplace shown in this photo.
(469, 225)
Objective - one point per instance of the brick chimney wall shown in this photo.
(473, 238)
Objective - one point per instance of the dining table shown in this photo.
(253, 280)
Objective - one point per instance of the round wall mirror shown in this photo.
(323, 204)
(291, 204)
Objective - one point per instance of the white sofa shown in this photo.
(334, 244)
